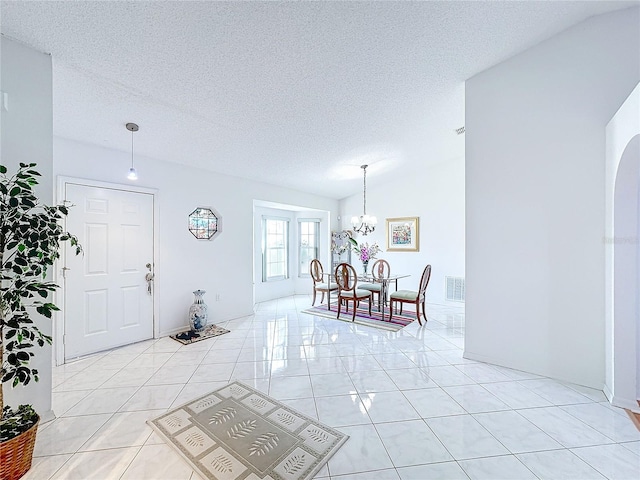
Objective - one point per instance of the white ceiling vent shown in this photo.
(455, 288)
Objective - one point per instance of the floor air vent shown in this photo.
(455, 288)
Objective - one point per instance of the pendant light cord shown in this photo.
(132, 127)
(364, 191)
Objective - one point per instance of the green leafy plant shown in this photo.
(30, 239)
(15, 422)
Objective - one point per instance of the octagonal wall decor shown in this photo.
(203, 223)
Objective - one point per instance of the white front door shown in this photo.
(107, 300)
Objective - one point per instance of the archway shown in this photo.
(622, 255)
(626, 278)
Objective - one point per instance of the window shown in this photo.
(309, 238)
(275, 249)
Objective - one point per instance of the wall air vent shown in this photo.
(454, 287)
(460, 130)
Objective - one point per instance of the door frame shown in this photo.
(59, 318)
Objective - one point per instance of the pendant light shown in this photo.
(133, 175)
(364, 224)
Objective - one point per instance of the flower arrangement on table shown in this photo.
(365, 251)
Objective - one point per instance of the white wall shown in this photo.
(535, 153)
(223, 265)
(436, 195)
(622, 347)
(27, 136)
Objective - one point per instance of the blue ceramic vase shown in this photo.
(198, 312)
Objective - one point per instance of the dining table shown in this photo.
(367, 277)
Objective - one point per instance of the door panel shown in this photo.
(107, 303)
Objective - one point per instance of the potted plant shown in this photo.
(30, 237)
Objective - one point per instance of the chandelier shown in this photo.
(364, 224)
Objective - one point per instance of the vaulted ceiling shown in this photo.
(297, 94)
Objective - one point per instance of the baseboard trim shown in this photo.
(626, 403)
(499, 362)
(474, 356)
(607, 393)
(47, 417)
(173, 331)
(493, 361)
(635, 418)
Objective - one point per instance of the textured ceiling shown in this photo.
(297, 94)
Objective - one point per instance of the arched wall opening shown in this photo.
(626, 269)
(622, 255)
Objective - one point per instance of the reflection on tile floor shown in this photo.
(413, 407)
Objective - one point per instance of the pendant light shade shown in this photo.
(133, 175)
(364, 224)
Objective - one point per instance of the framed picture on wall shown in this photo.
(403, 234)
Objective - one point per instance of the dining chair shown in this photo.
(348, 290)
(411, 296)
(381, 270)
(317, 275)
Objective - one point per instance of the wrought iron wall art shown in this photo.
(203, 223)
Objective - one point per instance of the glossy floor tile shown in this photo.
(414, 408)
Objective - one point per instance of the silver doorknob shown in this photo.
(149, 278)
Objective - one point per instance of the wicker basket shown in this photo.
(16, 454)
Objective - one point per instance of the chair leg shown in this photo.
(339, 306)
(424, 313)
(401, 304)
(370, 302)
(314, 298)
(418, 313)
(390, 309)
(322, 298)
(353, 319)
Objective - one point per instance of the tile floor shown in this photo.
(413, 407)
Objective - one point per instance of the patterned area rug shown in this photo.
(239, 433)
(362, 316)
(188, 336)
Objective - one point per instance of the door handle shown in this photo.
(149, 279)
